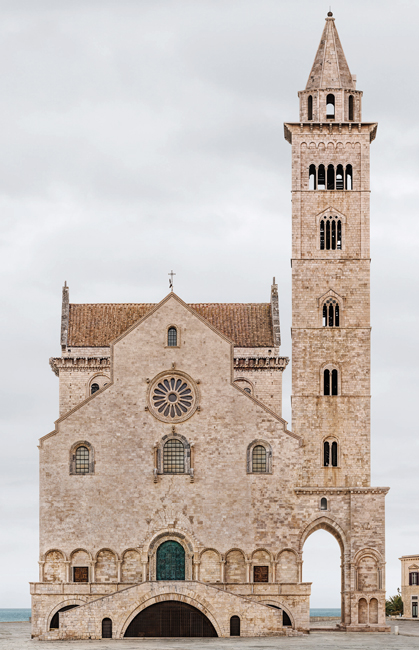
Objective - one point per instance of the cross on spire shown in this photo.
(171, 280)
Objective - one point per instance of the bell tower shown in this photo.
(331, 272)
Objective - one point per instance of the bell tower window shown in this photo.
(312, 177)
(321, 175)
(310, 107)
(330, 177)
(331, 234)
(330, 382)
(331, 313)
(330, 107)
(348, 177)
(351, 108)
(339, 177)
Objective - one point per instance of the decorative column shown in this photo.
(144, 563)
(67, 565)
(41, 570)
(119, 566)
(223, 570)
(249, 571)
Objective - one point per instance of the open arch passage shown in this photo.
(55, 621)
(286, 621)
(170, 561)
(322, 549)
(171, 619)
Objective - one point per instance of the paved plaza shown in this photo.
(16, 636)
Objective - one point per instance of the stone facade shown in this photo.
(241, 493)
(410, 585)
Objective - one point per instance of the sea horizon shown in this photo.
(16, 614)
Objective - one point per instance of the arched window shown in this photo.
(312, 177)
(321, 178)
(173, 457)
(259, 463)
(234, 626)
(172, 337)
(330, 177)
(94, 388)
(351, 108)
(323, 503)
(330, 107)
(259, 457)
(331, 313)
(330, 453)
(106, 628)
(331, 234)
(340, 184)
(244, 385)
(348, 177)
(82, 460)
(310, 107)
(330, 382)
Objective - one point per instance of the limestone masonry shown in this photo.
(174, 500)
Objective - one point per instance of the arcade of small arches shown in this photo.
(176, 559)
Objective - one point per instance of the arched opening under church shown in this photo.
(322, 559)
(55, 621)
(170, 618)
(170, 564)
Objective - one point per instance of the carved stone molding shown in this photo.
(81, 364)
(261, 363)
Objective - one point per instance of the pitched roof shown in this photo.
(247, 325)
(330, 68)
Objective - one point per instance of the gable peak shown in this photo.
(330, 68)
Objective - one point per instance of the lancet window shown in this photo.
(331, 316)
(330, 381)
(331, 234)
(330, 107)
(330, 453)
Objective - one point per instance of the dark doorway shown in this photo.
(234, 626)
(170, 619)
(170, 561)
(55, 621)
(106, 628)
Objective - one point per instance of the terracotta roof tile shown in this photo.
(248, 325)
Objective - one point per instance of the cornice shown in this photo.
(261, 363)
(88, 364)
(74, 364)
(341, 490)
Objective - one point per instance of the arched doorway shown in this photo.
(170, 563)
(170, 618)
(322, 566)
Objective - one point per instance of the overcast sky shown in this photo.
(138, 136)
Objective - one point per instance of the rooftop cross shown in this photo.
(171, 280)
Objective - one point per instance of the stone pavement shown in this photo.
(16, 636)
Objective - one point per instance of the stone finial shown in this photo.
(275, 314)
(65, 314)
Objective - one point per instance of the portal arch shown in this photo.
(179, 597)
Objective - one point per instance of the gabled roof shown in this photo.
(330, 68)
(96, 325)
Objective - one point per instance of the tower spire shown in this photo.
(330, 68)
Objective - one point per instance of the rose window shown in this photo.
(172, 398)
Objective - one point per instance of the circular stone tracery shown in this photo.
(172, 398)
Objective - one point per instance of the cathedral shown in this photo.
(174, 498)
